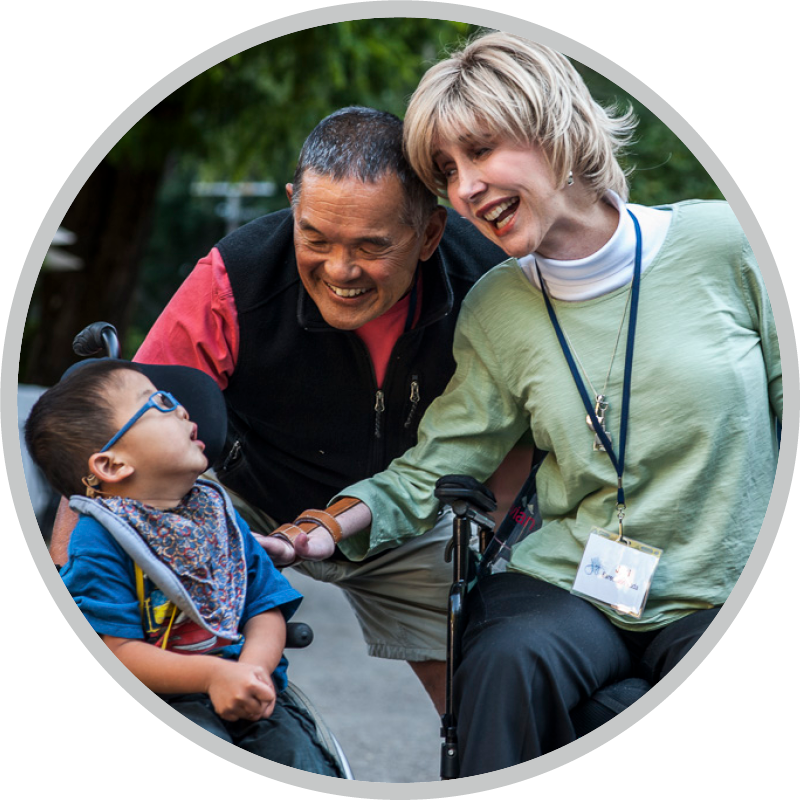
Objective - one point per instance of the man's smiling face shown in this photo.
(356, 255)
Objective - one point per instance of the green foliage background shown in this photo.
(246, 118)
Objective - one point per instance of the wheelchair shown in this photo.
(203, 400)
(472, 503)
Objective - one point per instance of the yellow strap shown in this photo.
(140, 596)
(140, 588)
(169, 627)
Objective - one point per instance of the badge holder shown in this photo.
(616, 572)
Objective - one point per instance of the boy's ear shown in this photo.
(108, 469)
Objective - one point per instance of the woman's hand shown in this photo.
(315, 545)
(280, 551)
(306, 540)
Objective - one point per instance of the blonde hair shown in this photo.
(503, 85)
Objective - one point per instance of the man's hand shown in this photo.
(315, 545)
(241, 691)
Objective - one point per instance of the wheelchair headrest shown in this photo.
(197, 392)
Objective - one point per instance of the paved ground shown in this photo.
(377, 709)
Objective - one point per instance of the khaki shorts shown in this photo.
(399, 596)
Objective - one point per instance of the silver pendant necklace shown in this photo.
(601, 399)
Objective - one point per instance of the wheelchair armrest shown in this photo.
(298, 635)
(453, 488)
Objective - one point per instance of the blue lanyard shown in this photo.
(617, 460)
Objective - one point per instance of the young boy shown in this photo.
(162, 566)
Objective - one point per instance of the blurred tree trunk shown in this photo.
(111, 218)
(246, 119)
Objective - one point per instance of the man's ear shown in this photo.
(108, 469)
(289, 191)
(433, 233)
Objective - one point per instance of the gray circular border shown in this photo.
(275, 29)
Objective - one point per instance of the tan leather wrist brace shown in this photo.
(317, 518)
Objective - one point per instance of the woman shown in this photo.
(666, 449)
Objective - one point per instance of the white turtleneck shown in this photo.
(612, 265)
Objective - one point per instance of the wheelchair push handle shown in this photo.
(468, 498)
(450, 489)
(97, 338)
(471, 502)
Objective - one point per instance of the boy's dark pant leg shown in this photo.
(198, 709)
(287, 737)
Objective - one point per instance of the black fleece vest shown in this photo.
(305, 419)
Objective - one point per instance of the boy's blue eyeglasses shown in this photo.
(160, 401)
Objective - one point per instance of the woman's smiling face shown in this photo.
(507, 190)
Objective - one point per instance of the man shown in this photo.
(329, 327)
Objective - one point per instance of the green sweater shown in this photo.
(701, 453)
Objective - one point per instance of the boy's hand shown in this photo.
(241, 691)
(238, 689)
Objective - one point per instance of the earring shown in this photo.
(570, 179)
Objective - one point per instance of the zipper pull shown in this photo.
(379, 409)
(232, 455)
(414, 400)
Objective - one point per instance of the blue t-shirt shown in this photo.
(100, 576)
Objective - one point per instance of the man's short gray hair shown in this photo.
(366, 145)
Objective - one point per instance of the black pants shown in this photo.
(532, 653)
(287, 737)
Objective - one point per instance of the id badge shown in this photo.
(616, 573)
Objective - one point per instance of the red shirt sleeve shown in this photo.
(199, 327)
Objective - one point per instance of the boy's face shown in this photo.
(160, 444)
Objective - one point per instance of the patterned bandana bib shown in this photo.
(201, 546)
